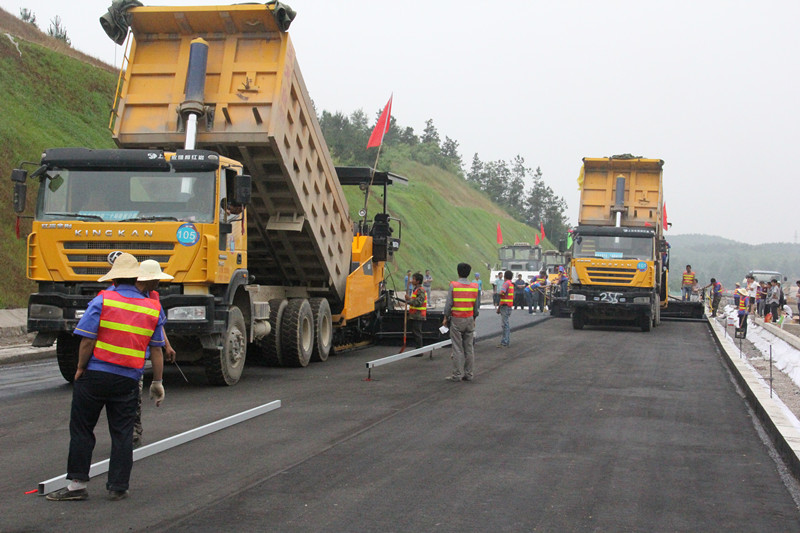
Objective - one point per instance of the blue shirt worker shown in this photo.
(460, 310)
(119, 325)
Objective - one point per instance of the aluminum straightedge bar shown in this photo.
(404, 355)
(46, 487)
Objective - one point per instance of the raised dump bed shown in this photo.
(256, 110)
(642, 202)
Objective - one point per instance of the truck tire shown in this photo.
(323, 328)
(578, 320)
(646, 323)
(269, 348)
(297, 333)
(224, 367)
(67, 355)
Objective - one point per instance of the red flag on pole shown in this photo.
(541, 227)
(666, 227)
(499, 234)
(382, 126)
(537, 241)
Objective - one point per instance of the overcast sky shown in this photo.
(709, 86)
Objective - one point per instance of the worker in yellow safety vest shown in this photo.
(686, 283)
(417, 302)
(460, 311)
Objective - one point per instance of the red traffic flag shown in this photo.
(499, 234)
(537, 241)
(541, 227)
(666, 227)
(382, 126)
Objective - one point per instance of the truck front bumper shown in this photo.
(612, 303)
(51, 313)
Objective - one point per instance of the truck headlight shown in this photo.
(577, 297)
(641, 300)
(190, 312)
(45, 311)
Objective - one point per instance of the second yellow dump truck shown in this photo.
(618, 271)
(222, 176)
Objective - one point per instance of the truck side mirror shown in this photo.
(19, 175)
(242, 189)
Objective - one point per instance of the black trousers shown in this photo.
(91, 392)
(416, 330)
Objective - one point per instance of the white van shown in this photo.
(766, 275)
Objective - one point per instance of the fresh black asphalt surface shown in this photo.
(593, 430)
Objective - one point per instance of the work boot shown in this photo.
(66, 495)
(116, 495)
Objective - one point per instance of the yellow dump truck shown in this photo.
(222, 176)
(618, 270)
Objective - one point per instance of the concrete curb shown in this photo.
(776, 418)
(790, 339)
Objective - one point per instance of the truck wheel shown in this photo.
(67, 355)
(225, 366)
(270, 346)
(646, 323)
(578, 321)
(323, 328)
(297, 333)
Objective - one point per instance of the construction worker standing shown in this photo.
(742, 307)
(417, 307)
(119, 326)
(686, 284)
(505, 307)
(460, 311)
(716, 295)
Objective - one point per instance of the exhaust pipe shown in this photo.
(193, 107)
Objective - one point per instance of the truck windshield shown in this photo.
(614, 247)
(518, 253)
(118, 196)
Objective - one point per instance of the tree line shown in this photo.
(503, 181)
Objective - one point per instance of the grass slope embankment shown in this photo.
(49, 100)
(53, 100)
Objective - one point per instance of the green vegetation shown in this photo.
(49, 100)
(444, 222)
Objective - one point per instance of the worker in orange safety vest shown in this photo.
(460, 311)
(417, 302)
(686, 283)
(505, 307)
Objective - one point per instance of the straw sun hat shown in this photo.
(123, 266)
(150, 270)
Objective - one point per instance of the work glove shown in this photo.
(157, 392)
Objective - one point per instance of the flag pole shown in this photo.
(371, 180)
(383, 123)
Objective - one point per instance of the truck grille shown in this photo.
(97, 252)
(616, 276)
